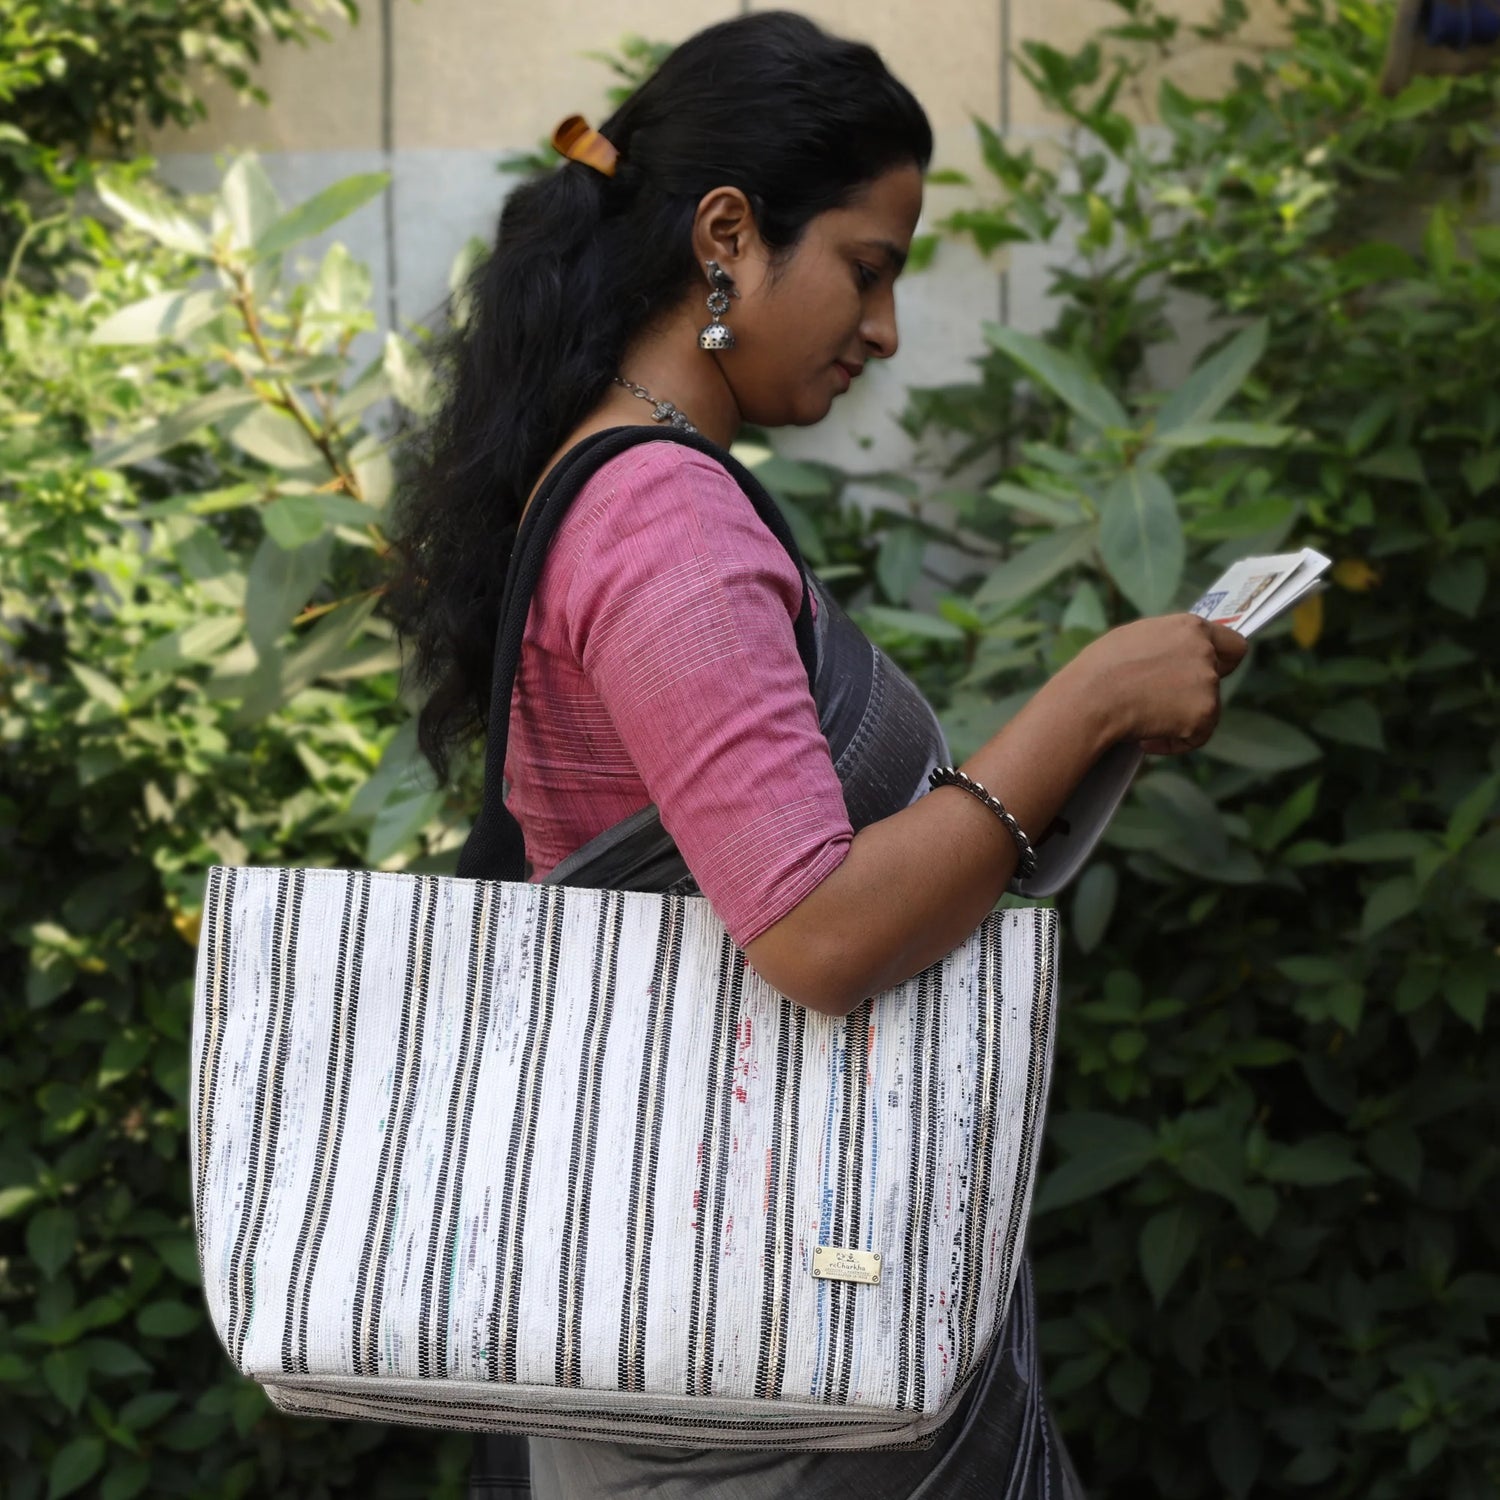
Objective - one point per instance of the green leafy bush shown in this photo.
(1266, 1235)
(80, 79)
(193, 670)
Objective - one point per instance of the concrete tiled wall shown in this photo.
(436, 92)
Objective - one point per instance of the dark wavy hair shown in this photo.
(797, 119)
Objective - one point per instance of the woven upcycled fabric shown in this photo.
(387, 1229)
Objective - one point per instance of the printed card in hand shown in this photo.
(1251, 594)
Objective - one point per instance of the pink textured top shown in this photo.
(659, 665)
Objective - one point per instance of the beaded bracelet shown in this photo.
(952, 776)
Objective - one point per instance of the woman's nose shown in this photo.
(879, 330)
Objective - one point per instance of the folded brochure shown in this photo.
(1251, 594)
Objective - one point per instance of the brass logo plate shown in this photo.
(835, 1263)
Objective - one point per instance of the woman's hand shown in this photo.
(1158, 679)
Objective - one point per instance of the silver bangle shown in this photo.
(952, 776)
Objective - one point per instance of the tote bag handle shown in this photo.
(495, 848)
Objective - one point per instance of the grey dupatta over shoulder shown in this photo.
(884, 738)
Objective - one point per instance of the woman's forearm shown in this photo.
(914, 885)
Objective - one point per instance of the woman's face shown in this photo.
(805, 327)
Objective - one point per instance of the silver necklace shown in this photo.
(663, 411)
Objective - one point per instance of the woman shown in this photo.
(781, 169)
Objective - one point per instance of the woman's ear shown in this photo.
(724, 230)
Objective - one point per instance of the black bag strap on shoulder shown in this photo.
(495, 848)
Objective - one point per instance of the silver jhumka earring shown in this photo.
(717, 335)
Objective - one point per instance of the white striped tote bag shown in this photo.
(498, 1156)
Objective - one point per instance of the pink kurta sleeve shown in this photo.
(679, 609)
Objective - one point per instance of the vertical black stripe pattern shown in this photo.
(713, 1170)
(371, 1280)
(218, 909)
(331, 1125)
(986, 1108)
(266, 1116)
(1036, 1083)
(437, 1278)
(641, 1210)
(573, 1262)
(856, 1077)
(837, 1224)
(913, 1326)
(510, 1263)
(781, 1202)
(931, 1060)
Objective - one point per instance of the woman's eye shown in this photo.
(866, 276)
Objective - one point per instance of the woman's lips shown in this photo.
(846, 372)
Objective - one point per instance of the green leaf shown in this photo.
(1053, 508)
(14, 1200)
(203, 640)
(1257, 742)
(126, 1479)
(1377, 260)
(1201, 396)
(1468, 817)
(785, 476)
(410, 378)
(1291, 815)
(1396, 1150)
(66, 1372)
(291, 521)
(99, 687)
(339, 301)
(154, 212)
(1389, 902)
(1319, 1162)
(278, 440)
(1458, 584)
(1355, 721)
(1167, 1242)
(1439, 243)
(1392, 844)
(123, 1054)
(50, 1238)
(177, 428)
(249, 200)
(179, 1254)
(168, 315)
(1236, 1451)
(1226, 435)
(1467, 989)
(1093, 905)
(74, 1465)
(898, 564)
(1066, 377)
(319, 650)
(922, 249)
(1028, 570)
(278, 586)
(1129, 1385)
(1197, 824)
(146, 1409)
(1127, 1155)
(1140, 539)
(167, 1320)
(1481, 871)
(910, 622)
(111, 1357)
(320, 212)
(1394, 463)
(205, 559)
